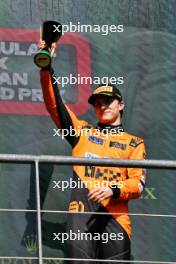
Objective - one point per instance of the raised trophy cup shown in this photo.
(50, 32)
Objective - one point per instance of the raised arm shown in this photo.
(63, 117)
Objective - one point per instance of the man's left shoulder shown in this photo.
(134, 141)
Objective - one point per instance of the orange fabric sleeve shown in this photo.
(54, 102)
(133, 186)
(49, 96)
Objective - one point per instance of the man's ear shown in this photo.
(121, 105)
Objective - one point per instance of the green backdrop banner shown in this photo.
(144, 54)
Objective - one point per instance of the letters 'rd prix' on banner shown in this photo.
(83, 67)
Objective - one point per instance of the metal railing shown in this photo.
(61, 160)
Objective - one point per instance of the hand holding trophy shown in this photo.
(50, 33)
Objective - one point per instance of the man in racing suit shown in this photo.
(109, 140)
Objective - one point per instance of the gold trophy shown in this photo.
(50, 32)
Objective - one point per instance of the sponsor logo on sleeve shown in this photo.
(135, 142)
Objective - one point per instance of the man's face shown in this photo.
(108, 109)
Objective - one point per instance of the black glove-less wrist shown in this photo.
(115, 190)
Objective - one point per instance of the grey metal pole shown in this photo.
(39, 229)
(68, 160)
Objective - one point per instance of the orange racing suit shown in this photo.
(89, 143)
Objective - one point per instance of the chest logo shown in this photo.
(115, 144)
(96, 140)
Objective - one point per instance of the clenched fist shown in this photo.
(42, 45)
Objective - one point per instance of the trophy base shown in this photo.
(42, 59)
